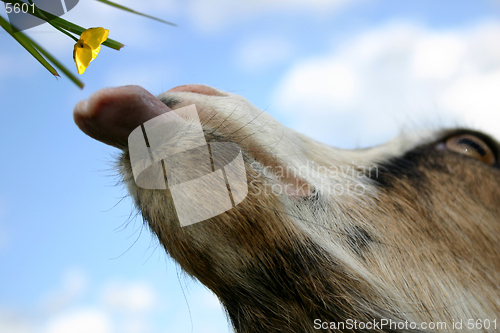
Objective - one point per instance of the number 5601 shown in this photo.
(17, 8)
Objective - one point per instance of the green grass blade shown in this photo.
(134, 12)
(66, 25)
(35, 49)
(76, 29)
(26, 43)
(59, 65)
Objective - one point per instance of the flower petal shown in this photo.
(94, 37)
(95, 52)
(82, 54)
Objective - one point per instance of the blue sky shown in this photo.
(73, 257)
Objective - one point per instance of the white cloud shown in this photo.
(437, 57)
(51, 315)
(211, 15)
(13, 322)
(80, 321)
(321, 80)
(397, 74)
(476, 97)
(131, 304)
(74, 307)
(129, 297)
(74, 284)
(259, 53)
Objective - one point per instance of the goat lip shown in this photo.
(111, 114)
(196, 88)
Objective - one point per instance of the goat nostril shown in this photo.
(196, 88)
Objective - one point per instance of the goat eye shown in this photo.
(472, 146)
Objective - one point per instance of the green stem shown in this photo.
(66, 25)
(64, 31)
(48, 21)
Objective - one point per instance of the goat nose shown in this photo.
(196, 88)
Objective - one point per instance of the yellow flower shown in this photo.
(88, 47)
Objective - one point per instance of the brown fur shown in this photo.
(418, 244)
